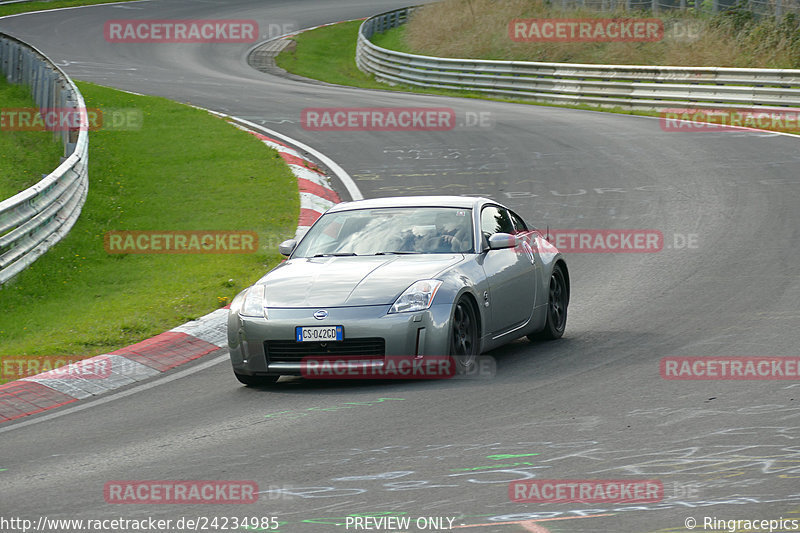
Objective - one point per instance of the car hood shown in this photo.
(350, 281)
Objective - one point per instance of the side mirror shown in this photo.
(499, 241)
(287, 247)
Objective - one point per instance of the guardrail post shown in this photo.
(634, 87)
(37, 218)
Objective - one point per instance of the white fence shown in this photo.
(35, 219)
(640, 87)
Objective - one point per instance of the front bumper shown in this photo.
(253, 352)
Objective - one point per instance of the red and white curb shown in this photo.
(316, 194)
(103, 373)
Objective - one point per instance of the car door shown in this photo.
(509, 274)
(527, 244)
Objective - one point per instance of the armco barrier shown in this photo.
(35, 219)
(639, 87)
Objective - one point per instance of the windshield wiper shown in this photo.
(397, 252)
(336, 254)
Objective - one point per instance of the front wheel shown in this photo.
(464, 337)
(255, 381)
(557, 302)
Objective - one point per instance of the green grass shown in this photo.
(731, 38)
(393, 39)
(322, 54)
(24, 155)
(328, 54)
(182, 170)
(12, 9)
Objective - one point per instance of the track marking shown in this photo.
(72, 7)
(530, 523)
(533, 527)
(122, 394)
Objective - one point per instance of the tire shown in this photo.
(464, 337)
(255, 381)
(557, 302)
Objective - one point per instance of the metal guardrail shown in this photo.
(35, 219)
(627, 86)
(758, 7)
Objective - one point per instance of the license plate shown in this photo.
(318, 333)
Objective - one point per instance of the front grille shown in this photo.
(282, 351)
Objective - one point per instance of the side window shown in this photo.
(495, 220)
(519, 224)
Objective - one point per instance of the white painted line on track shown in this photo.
(117, 395)
(72, 7)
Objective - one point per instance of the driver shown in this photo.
(450, 235)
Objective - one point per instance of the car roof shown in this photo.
(465, 202)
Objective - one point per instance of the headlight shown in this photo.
(417, 297)
(254, 302)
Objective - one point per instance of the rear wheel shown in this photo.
(255, 381)
(557, 302)
(464, 337)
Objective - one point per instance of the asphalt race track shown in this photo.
(592, 405)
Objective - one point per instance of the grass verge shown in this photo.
(183, 169)
(318, 57)
(327, 54)
(24, 155)
(734, 37)
(42, 5)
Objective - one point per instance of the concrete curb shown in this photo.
(143, 360)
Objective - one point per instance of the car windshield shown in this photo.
(394, 230)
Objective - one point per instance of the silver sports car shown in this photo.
(417, 277)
